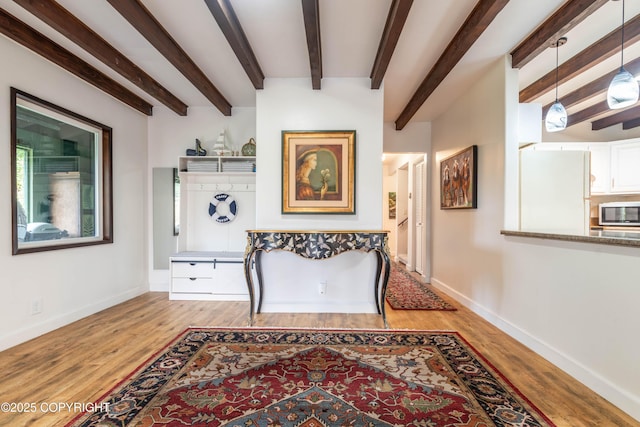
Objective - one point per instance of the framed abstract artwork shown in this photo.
(318, 172)
(458, 180)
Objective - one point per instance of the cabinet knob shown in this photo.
(192, 278)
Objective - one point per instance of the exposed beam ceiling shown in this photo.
(143, 21)
(228, 22)
(398, 13)
(560, 23)
(587, 113)
(311, 16)
(432, 65)
(630, 124)
(37, 42)
(617, 118)
(482, 15)
(595, 87)
(598, 51)
(75, 30)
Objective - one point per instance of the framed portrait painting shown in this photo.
(458, 180)
(318, 172)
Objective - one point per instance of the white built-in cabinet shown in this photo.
(614, 165)
(200, 275)
(209, 262)
(625, 167)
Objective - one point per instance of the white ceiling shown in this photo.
(350, 34)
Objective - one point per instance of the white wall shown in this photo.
(342, 104)
(574, 303)
(415, 137)
(73, 283)
(169, 137)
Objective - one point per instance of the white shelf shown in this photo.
(217, 164)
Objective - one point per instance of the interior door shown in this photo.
(418, 203)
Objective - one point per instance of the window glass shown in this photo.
(62, 170)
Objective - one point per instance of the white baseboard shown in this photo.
(605, 388)
(52, 323)
(318, 308)
(159, 281)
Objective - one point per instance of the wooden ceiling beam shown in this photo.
(478, 20)
(588, 113)
(143, 21)
(228, 22)
(398, 13)
(592, 55)
(38, 43)
(623, 116)
(557, 25)
(630, 124)
(75, 30)
(311, 15)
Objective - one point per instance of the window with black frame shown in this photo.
(61, 177)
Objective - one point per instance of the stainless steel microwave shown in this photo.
(620, 213)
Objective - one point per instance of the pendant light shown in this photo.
(623, 89)
(556, 118)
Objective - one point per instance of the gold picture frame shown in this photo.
(318, 172)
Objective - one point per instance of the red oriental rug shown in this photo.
(308, 377)
(404, 292)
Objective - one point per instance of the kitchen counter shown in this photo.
(600, 236)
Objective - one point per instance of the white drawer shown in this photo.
(230, 284)
(192, 269)
(192, 285)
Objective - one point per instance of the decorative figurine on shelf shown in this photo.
(220, 147)
(249, 149)
(199, 151)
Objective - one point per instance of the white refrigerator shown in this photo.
(555, 191)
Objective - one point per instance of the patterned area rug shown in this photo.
(313, 378)
(404, 292)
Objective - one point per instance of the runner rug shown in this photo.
(310, 377)
(404, 292)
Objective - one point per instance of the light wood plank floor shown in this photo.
(82, 361)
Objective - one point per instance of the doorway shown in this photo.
(406, 175)
(402, 215)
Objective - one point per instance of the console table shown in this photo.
(316, 245)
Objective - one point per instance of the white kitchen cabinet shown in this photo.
(625, 166)
(600, 168)
(202, 275)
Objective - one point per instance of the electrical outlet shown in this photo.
(36, 306)
(323, 288)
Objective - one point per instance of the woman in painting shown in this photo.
(307, 162)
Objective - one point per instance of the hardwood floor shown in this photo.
(83, 361)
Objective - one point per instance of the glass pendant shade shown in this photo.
(556, 119)
(623, 90)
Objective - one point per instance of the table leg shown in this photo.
(376, 289)
(249, 279)
(259, 275)
(385, 281)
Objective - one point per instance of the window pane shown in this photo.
(59, 170)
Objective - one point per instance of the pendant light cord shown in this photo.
(557, 45)
(622, 43)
